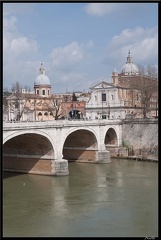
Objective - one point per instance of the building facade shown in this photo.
(130, 95)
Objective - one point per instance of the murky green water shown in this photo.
(119, 199)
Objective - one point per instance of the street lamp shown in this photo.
(72, 113)
(156, 110)
(34, 108)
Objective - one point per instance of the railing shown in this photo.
(74, 122)
(58, 123)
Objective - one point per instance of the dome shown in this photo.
(129, 68)
(42, 79)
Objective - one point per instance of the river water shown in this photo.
(119, 199)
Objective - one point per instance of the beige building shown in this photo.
(42, 105)
(38, 106)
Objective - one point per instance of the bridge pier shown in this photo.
(59, 167)
(103, 156)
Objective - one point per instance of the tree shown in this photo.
(19, 100)
(54, 108)
(150, 71)
(147, 86)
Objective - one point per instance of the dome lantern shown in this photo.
(42, 79)
(129, 68)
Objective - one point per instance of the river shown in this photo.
(119, 199)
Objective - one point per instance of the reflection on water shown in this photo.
(119, 199)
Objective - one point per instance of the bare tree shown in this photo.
(19, 101)
(152, 71)
(142, 70)
(147, 86)
(54, 108)
(5, 104)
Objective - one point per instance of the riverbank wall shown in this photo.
(140, 139)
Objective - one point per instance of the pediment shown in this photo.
(103, 85)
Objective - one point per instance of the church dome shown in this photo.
(129, 68)
(42, 79)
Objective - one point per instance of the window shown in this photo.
(45, 114)
(112, 97)
(37, 91)
(43, 92)
(103, 116)
(39, 114)
(48, 92)
(103, 97)
(137, 97)
(16, 105)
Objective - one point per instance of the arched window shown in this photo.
(39, 114)
(45, 114)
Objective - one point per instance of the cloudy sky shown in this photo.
(79, 43)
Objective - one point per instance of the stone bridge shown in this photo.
(46, 147)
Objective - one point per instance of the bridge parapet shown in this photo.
(60, 123)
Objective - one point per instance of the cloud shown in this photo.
(9, 23)
(68, 56)
(61, 66)
(142, 43)
(23, 45)
(16, 49)
(14, 43)
(25, 72)
(75, 62)
(100, 9)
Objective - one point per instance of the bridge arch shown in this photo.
(111, 138)
(28, 152)
(28, 131)
(80, 145)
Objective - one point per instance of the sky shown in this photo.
(79, 44)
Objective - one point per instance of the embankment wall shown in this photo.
(141, 137)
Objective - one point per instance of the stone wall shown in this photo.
(140, 137)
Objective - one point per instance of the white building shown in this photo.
(105, 103)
